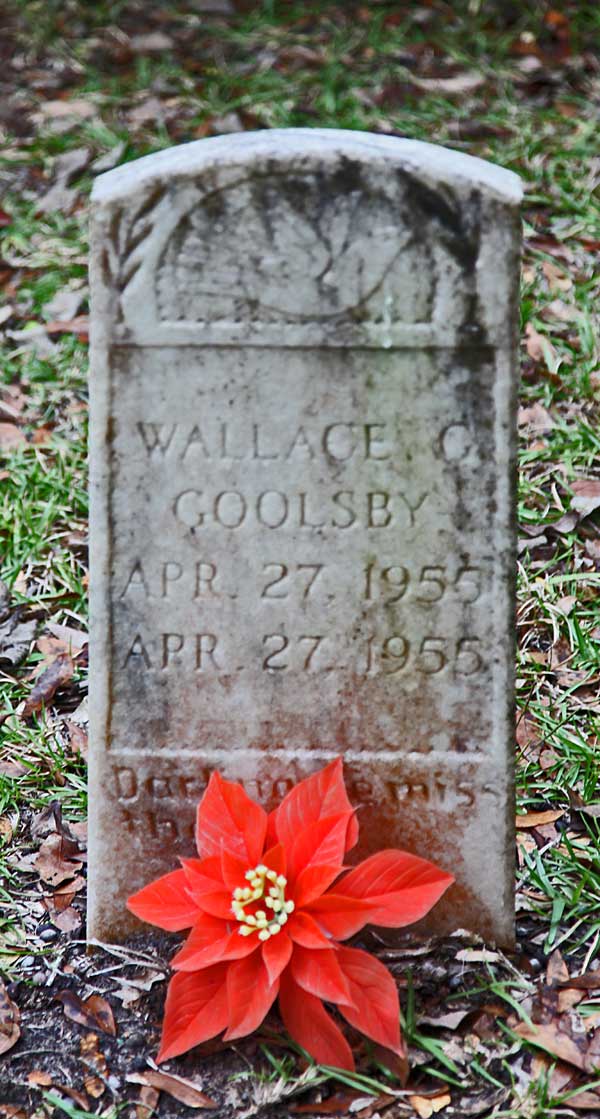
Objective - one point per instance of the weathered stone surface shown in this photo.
(302, 445)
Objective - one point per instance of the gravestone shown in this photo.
(303, 395)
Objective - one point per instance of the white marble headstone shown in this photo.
(303, 396)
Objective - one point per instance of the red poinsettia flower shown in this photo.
(267, 907)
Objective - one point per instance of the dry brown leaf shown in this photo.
(59, 110)
(556, 1038)
(557, 971)
(68, 890)
(426, 1106)
(12, 769)
(10, 437)
(57, 860)
(78, 739)
(587, 1101)
(568, 999)
(74, 639)
(147, 1101)
(527, 732)
(16, 637)
(6, 829)
(535, 819)
(577, 802)
(185, 1091)
(538, 346)
(566, 603)
(535, 418)
(68, 921)
(560, 311)
(59, 673)
(548, 758)
(589, 981)
(94, 1012)
(89, 1051)
(72, 1093)
(10, 1031)
(93, 1086)
(80, 325)
(556, 277)
(39, 1079)
(587, 495)
(564, 524)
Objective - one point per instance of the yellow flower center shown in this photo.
(262, 884)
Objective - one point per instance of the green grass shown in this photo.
(358, 74)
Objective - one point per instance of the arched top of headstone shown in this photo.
(307, 236)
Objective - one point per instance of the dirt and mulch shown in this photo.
(79, 1027)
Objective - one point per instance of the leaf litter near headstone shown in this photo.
(427, 1106)
(58, 673)
(185, 1091)
(16, 632)
(535, 819)
(11, 437)
(94, 1013)
(57, 860)
(587, 495)
(10, 1030)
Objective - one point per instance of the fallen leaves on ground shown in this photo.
(58, 859)
(94, 1013)
(426, 1106)
(555, 1025)
(16, 632)
(37, 1078)
(587, 495)
(536, 418)
(58, 673)
(561, 1040)
(535, 819)
(11, 437)
(185, 1091)
(10, 1030)
(147, 1101)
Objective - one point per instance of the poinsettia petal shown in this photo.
(275, 858)
(340, 916)
(205, 881)
(233, 870)
(195, 1010)
(312, 882)
(309, 1024)
(320, 974)
(376, 1010)
(321, 794)
(271, 837)
(203, 874)
(228, 819)
(276, 953)
(401, 887)
(212, 941)
(167, 902)
(320, 844)
(304, 930)
(250, 995)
